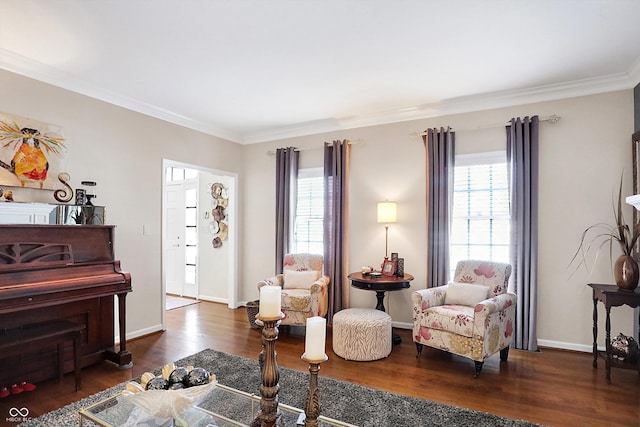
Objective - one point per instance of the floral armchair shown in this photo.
(472, 316)
(305, 292)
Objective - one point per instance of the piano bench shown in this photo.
(33, 337)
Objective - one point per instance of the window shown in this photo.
(308, 227)
(191, 234)
(180, 174)
(480, 222)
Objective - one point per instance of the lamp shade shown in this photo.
(386, 212)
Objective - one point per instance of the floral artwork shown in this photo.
(31, 153)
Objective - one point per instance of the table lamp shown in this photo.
(386, 215)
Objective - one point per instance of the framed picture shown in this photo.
(32, 153)
(389, 267)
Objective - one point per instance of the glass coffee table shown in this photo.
(222, 407)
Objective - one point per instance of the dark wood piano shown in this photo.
(50, 272)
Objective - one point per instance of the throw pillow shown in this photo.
(465, 294)
(300, 279)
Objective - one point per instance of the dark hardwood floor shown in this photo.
(550, 387)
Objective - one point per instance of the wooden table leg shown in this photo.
(380, 298)
(607, 341)
(595, 332)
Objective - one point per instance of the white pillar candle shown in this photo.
(315, 338)
(270, 301)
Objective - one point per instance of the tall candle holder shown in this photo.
(269, 413)
(312, 405)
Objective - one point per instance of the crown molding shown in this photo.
(634, 72)
(21, 65)
(29, 68)
(466, 104)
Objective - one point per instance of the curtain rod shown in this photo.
(354, 142)
(551, 119)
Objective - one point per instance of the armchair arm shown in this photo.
(426, 298)
(320, 296)
(494, 320)
(319, 285)
(495, 304)
(276, 280)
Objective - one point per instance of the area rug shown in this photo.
(348, 402)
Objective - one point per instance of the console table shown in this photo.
(611, 296)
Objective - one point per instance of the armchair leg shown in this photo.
(478, 368)
(504, 354)
(418, 349)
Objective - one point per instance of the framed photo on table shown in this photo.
(389, 267)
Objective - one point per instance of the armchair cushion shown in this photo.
(465, 294)
(457, 319)
(300, 279)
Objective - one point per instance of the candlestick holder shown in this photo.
(312, 405)
(269, 413)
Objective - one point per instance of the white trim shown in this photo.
(18, 64)
(232, 291)
(216, 299)
(559, 345)
(467, 104)
(402, 325)
(141, 332)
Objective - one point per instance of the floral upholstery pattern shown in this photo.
(300, 304)
(475, 332)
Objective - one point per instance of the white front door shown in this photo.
(174, 251)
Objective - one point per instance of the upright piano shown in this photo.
(68, 272)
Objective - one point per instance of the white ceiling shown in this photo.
(258, 70)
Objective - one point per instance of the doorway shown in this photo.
(199, 229)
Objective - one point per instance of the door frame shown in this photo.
(232, 241)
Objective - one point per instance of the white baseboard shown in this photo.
(585, 348)
(140, 333)
(213, 299)
(402, 325)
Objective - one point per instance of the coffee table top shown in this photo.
(222, 407)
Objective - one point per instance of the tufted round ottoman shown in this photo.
(362, 334)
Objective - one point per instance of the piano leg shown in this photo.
(122, 357)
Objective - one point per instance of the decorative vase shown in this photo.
(626, 273)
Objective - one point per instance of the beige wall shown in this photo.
(122, 151)
(581, 159)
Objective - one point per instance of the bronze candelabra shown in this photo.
(312, 406)
(269, 413)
